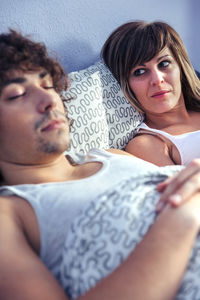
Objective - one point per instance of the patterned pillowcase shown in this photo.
(103, 117)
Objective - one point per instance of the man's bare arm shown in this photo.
(153, 271)
(180, 188)
(156, 267)
(23, 276)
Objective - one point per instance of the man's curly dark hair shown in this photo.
(18, 52)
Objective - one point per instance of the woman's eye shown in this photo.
(164, 64)
(139, 72)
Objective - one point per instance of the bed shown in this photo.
(103, 117)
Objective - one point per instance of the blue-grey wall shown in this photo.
(77, 29)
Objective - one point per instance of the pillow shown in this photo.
(103, 117)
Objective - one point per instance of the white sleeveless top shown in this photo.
(122, 193)
(187, 144)
(57, 204)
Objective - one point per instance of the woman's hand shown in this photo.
(179, 188)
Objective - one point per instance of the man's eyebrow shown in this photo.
(22, 79)
(15, 80)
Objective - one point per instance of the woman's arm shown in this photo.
(150, 148)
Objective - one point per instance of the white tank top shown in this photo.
(57, 204)
(187, 144)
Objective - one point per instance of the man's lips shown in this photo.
(160, 93)
(53, 124)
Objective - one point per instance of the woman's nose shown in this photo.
(156, 77)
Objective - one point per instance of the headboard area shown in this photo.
(75, 32)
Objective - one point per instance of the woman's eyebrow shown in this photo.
(163, 56)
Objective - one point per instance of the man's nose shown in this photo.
(47, 101)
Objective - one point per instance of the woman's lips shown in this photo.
(160, 94)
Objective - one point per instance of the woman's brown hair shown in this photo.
(135, 43)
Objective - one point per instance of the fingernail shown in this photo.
(176, 199)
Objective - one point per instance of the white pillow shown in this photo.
(103, 117)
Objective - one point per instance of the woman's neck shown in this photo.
(175, 123)
(167, 119)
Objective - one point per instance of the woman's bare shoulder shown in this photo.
(150, 148)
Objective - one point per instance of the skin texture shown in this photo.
(32, 104)
(157, 86)
(37, 120)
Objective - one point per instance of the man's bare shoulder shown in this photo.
(8, 205)
(10, 213)
(17, 215)
(21, 268)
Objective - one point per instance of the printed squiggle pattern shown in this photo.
(108, 231)
(103, 117)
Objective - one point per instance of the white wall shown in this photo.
(77, 29)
